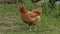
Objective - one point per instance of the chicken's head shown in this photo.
(21, 6)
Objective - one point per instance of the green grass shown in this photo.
(11, 23)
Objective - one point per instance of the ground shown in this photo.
(11, 23)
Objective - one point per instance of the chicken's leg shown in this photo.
(35, 27)
(30, 27)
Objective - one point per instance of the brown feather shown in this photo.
(30, 17)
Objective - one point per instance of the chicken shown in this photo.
(30, 17)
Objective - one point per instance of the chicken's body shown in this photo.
(30, 18)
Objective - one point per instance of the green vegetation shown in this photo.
(11, 23)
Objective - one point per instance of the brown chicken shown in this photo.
(30, 17)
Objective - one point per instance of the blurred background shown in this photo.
(11, 23)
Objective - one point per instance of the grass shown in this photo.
(11, 23)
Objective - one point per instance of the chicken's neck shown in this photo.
(23, 10)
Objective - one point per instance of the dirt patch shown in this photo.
(9, 21)
(1, 33)
(10, 26)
